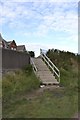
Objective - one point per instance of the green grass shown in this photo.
(69, 78)
(0, 87)
(56, 103)
(0, 97)
(51, 104)
(18, 83)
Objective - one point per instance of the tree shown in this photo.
(32, 54)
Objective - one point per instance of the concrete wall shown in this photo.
(0, 62)
(14, 59)
(0, 83)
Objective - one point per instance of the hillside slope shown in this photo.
(67, 62)
(21, 98)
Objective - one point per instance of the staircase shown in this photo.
(43, 72)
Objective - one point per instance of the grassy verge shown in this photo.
(19, 83)
(51, 104)
(56, 103)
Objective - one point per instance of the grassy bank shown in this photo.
(19, 82)
(54, 103)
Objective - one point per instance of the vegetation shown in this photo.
(19, 91)
(17, 84)
(68, 64)
(32, 54)
(50, 104)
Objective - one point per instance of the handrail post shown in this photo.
(40, 51)
(59, 76)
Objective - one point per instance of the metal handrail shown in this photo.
(33, 65)
(50, 64)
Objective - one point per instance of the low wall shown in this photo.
(0, 64)
(14, 59)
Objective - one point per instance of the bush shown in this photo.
(32, 54)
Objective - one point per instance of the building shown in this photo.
(21, 48)
(3, 43)
(11, 45)
(7, 45)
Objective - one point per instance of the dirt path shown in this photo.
(40, 91)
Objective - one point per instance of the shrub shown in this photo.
(32, 54)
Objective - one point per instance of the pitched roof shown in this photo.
(21, 48)
(9, 42)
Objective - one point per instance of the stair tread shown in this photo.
(43, 72)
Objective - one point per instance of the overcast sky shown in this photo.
(42, 24)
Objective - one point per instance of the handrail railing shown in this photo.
(33, 65)
(50, 64)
